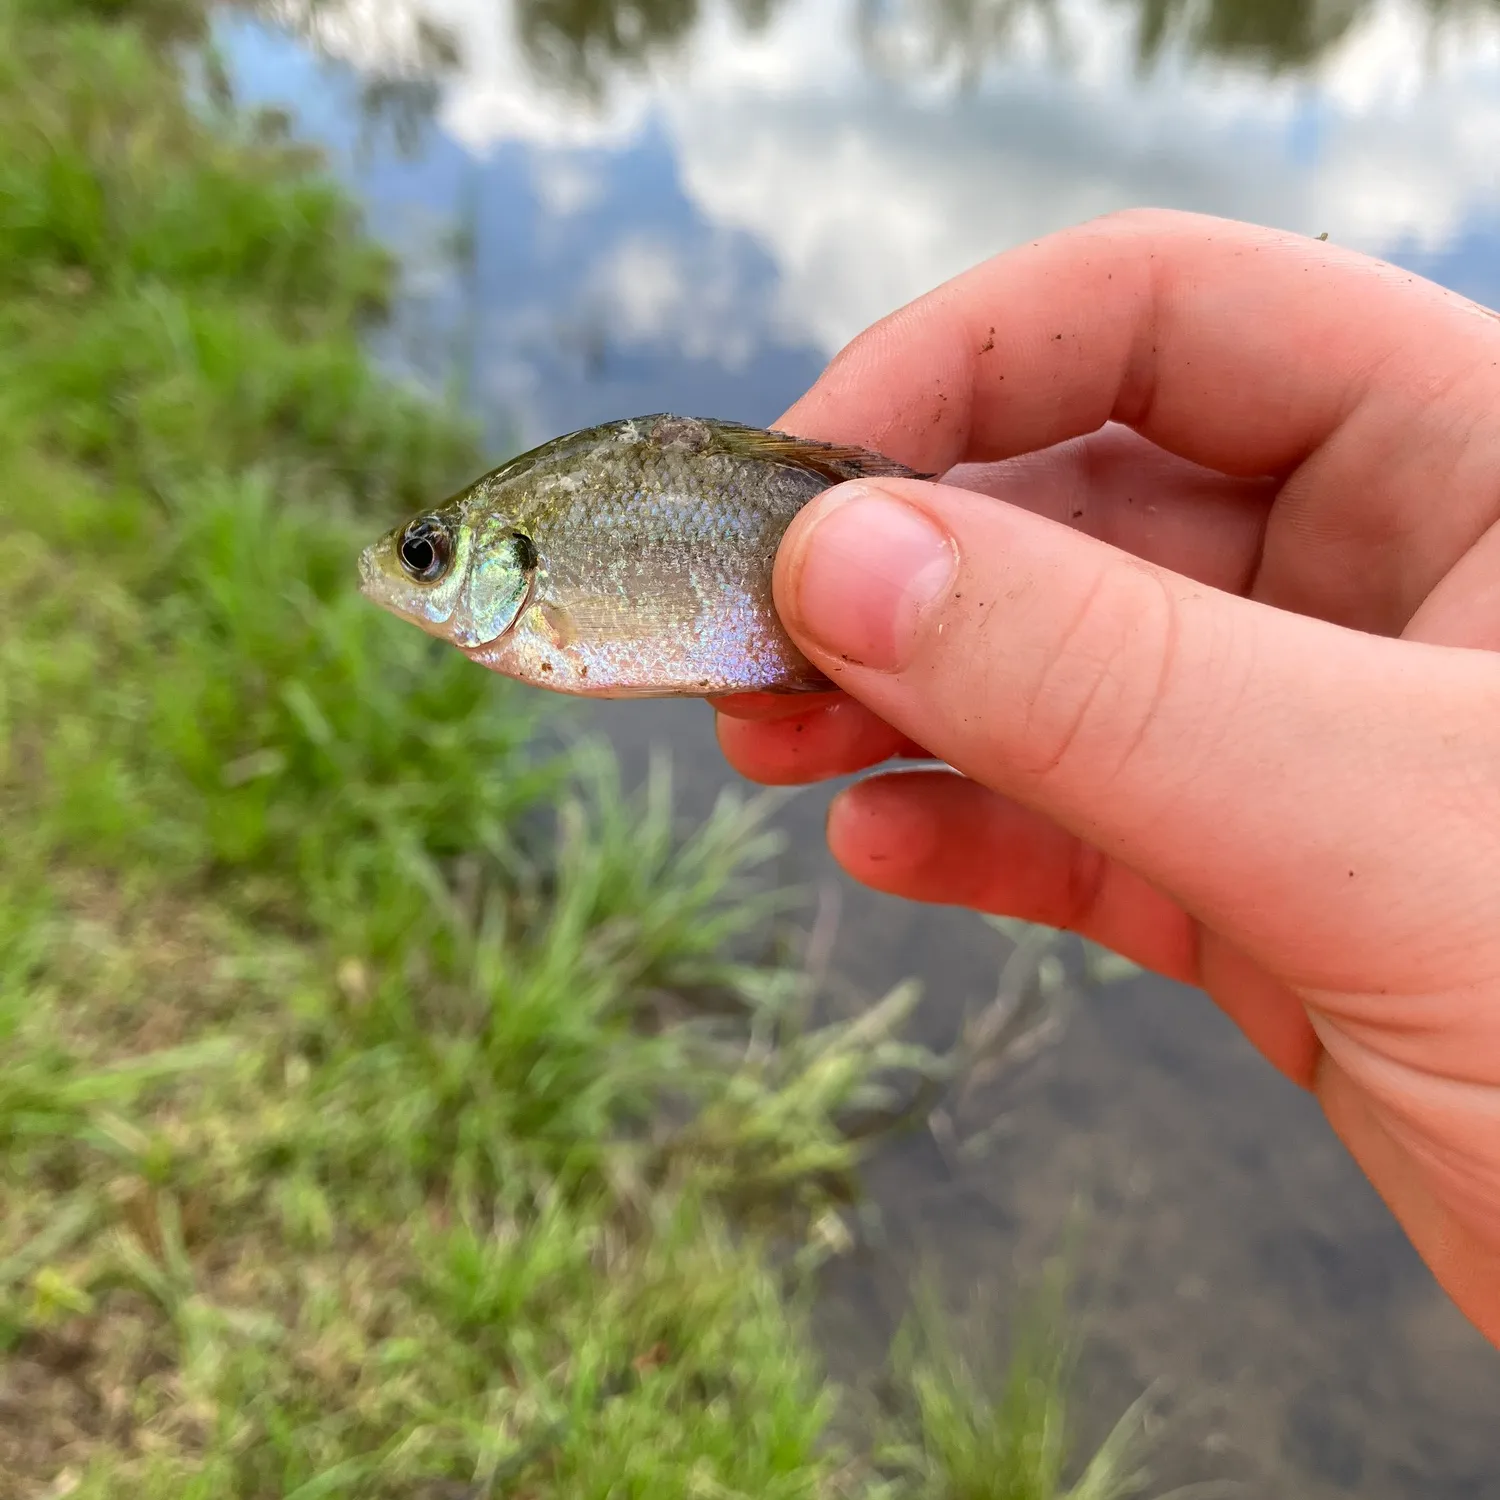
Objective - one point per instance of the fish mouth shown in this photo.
(367, 573)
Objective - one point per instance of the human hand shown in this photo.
(1209, 675)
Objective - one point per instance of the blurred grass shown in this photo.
(975, 1428)
(382, 1111)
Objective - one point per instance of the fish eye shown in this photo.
(426, 549)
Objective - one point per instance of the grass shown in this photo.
(976, 1429)
(387, 1105)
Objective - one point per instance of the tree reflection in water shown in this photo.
(582, 46)
(961, 38)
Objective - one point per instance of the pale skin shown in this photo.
(1205, 613)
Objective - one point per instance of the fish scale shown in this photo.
(633, 559)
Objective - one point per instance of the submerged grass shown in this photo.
(381, 1111)
(975, 1429)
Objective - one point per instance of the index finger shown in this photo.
(1234, 346)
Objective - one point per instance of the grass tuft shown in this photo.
(975, 1430)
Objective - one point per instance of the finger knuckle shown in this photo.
(1099, 686)
(1083, 886)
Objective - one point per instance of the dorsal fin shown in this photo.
(834, 462)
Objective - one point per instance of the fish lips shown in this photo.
(368, 574)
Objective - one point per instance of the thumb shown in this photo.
(1268, 770)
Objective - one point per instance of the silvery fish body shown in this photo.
(632, 559)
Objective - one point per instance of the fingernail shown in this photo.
(863, 575)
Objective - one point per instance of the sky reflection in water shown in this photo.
(688, 204)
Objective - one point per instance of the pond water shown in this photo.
(608, 207)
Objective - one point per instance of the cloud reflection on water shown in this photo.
(741, 185)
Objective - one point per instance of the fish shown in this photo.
(628, 560)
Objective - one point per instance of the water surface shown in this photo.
(608, 207)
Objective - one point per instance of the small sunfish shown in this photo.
(631, 560)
